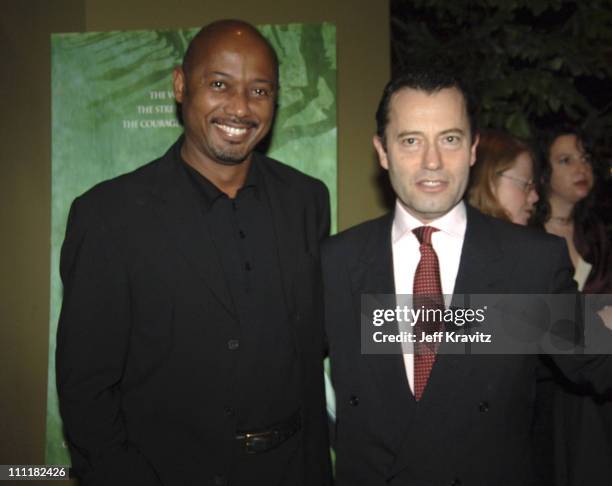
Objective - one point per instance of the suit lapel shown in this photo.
(478, 271)
(176, 205)
(287, 228)
(373, 274)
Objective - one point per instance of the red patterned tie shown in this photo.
(427, 294)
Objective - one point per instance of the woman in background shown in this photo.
(566, 187)
(501, 181)
(582, 421)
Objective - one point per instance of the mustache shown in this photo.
(234, 120)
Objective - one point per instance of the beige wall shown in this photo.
(25, 138)
(25, 213)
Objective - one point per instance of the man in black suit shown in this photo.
(465, 419)
(190, 341)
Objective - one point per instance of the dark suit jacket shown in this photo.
(147, 336)
(473, 425)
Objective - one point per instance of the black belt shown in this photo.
(265, 440)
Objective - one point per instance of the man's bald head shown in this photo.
(227, 89)
(224, 29)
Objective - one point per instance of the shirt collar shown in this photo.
(452, 223)
(211, 193)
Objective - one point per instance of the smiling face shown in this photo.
(515, 190)
(227, 91)
(571, 177)
(429, 150)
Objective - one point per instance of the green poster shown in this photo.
(113, 110)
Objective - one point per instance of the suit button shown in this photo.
(483, 407)
(233, 344)
(220, 480)
(456, 482)
(354, 401)
(229, 411)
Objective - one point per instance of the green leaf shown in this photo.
(556, 63)
(518, 125)
(554, 104)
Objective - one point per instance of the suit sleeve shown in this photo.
(323, 227)
(92, 344)
(592, 363)
(323, 211)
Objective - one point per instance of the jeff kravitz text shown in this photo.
(410, 316)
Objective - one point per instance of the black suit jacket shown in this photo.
(147, 335)
(473, 425)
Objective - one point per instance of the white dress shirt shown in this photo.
(447, 244)
(582, 272)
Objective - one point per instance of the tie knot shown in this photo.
(423, 234)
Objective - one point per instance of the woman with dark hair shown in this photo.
(501, 181)
(566, 185)
(581, 422)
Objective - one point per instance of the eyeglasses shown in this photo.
(526, 186)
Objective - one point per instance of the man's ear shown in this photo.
(382, 153)
(473, 150)
(178, 83)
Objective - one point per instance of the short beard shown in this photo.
(229, 158)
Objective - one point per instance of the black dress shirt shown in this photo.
(266, 376)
